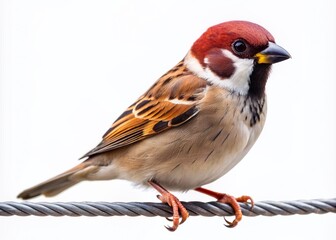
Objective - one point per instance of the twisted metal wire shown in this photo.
(149, 209)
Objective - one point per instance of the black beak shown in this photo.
(272, 54)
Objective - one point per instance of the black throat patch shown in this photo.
(258, 80)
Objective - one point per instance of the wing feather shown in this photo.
(170, 102)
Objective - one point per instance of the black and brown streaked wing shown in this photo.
(170, 102)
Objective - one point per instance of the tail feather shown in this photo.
(60, 182)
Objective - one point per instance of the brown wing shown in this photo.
(170, 102)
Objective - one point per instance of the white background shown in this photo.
(69, 68)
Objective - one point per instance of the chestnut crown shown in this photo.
(244, 39)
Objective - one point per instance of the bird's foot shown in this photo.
(179, 211)
(232, 201)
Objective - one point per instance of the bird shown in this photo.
(192, 126)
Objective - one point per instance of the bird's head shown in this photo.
(235, 55)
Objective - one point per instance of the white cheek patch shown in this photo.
(239, 80)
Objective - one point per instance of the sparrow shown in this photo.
(192, 126)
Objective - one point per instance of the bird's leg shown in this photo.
(225, 198)
(178, 209)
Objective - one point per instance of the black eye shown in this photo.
(239, 46)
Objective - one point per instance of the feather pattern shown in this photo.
(170, 102)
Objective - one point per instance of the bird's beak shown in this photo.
(272, 54)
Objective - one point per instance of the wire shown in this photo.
(149, 209)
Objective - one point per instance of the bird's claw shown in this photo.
(231, 224)
(171, 219)
(246, 199)
(233, 202)
(179, 210)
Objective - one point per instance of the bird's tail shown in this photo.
(60, 182)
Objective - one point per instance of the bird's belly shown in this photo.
(189, 176)
(209, 164)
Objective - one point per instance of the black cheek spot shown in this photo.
(219, 64)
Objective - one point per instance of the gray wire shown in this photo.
(149, 209)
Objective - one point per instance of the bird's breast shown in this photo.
(220, 136)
